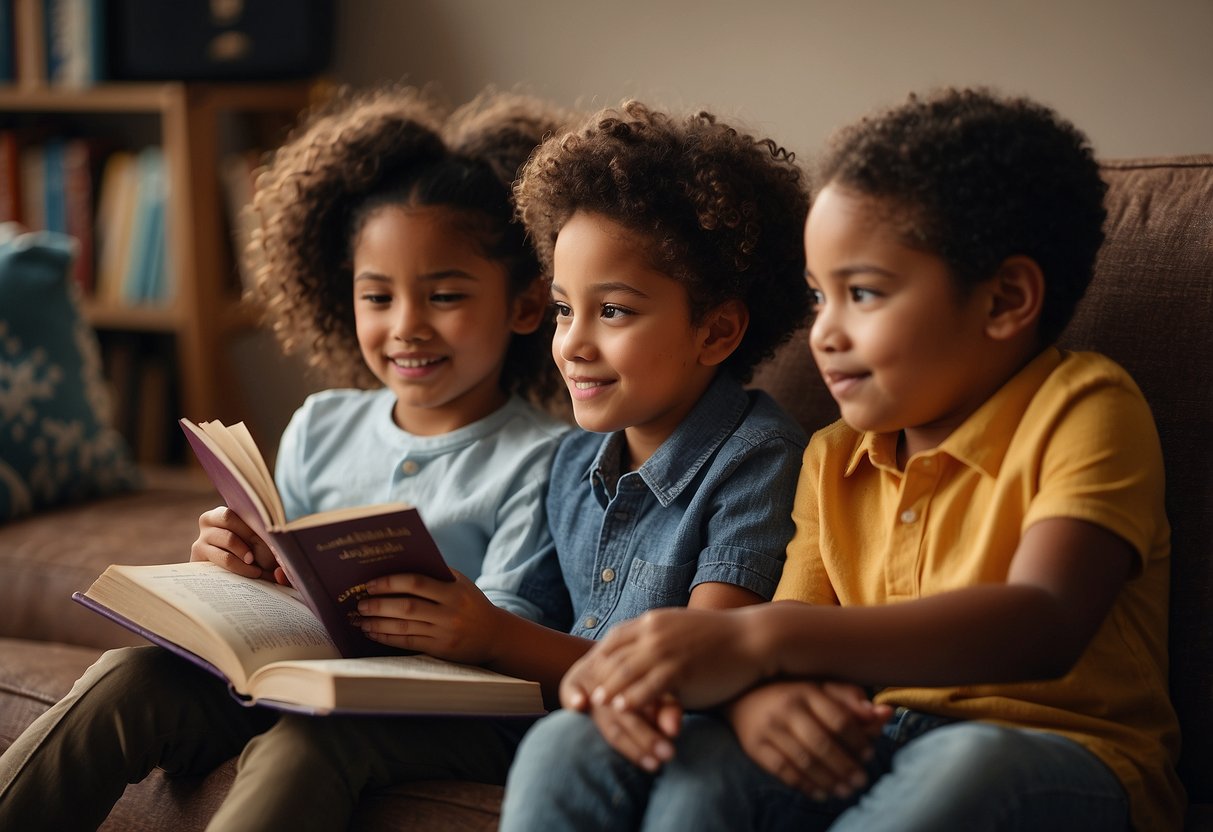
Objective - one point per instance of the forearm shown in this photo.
(529, 650)
(982, 634)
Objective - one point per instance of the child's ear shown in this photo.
(722, 330)
(529, 306)
(1017, 293)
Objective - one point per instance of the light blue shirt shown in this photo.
(714, 503)
(479, 489)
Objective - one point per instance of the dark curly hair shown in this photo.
(393, 145)
(976, 178)
(724, 211)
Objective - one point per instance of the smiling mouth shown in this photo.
(415, 363)
(589, 385)
(840, 383)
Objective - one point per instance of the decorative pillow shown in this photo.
(56, 442)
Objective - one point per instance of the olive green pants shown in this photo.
(141, 708)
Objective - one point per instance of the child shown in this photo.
(388, 251)
(982, 536)
(684, 501)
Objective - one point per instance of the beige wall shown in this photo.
(1137, 76)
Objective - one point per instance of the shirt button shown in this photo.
(909, 515)
(591, 623)
(926, 462)
(410, 468)
(608, 575)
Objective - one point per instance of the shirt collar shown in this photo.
(981, 441)
(680, 457)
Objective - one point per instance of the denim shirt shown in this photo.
(713, 503)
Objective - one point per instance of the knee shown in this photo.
(133, 672)
(970, 751)
(556, 742)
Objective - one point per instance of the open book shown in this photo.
(328, 556)
(269, 647)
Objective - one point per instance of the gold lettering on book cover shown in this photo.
(364, 537)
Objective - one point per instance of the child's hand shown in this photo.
(642, 737)
(451, 620)
(813, 736)
(225, 540)
(698, 657)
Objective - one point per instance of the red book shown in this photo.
(10, 177)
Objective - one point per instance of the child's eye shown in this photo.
(447, 297)
(610, 310)
(859, 294)
(375, 298)
(817, 298)
(562, 309)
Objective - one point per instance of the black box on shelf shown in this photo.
(218, 40)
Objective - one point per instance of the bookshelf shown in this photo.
(193, 121)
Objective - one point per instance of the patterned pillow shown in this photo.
(56, 443)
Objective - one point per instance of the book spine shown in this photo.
(10, 177)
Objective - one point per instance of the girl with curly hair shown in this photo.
(388, 251)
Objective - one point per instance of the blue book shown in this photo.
(55, 184)
(8, 43)
(139, 285)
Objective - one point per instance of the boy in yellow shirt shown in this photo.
(981, 539)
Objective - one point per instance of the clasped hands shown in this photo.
(815, 736)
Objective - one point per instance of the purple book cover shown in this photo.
(330, 564)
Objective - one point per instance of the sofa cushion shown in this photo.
(56, 443)
(47, 557)
(1150, 308)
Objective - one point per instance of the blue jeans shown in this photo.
(928, 774)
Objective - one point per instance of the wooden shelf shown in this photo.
(191, 118)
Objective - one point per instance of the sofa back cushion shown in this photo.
(1150, 308)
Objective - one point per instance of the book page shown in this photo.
(235, 623)
(395, 684)
(251, 467)
(244, 438)
(228, 478)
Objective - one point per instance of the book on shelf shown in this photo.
(328, 556)
(10, 176)
(271, 650)
(116, 200)
(144, 280)
(80, 162)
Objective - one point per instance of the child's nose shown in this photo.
(412, 324)
(826, 334)
(574, 343)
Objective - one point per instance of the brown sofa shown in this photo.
(1150, 308)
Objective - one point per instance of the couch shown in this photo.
(1150, 308)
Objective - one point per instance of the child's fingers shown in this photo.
(223, 529)
(634, 737)
(398, 632)
(669, 717)
(411, 583)
(575, 688)
(823, 761)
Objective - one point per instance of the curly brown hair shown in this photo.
(976, 178)
(723, 210)
(394, 145)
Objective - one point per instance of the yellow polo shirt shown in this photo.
(1069, 436)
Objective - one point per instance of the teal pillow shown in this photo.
(56, 441)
